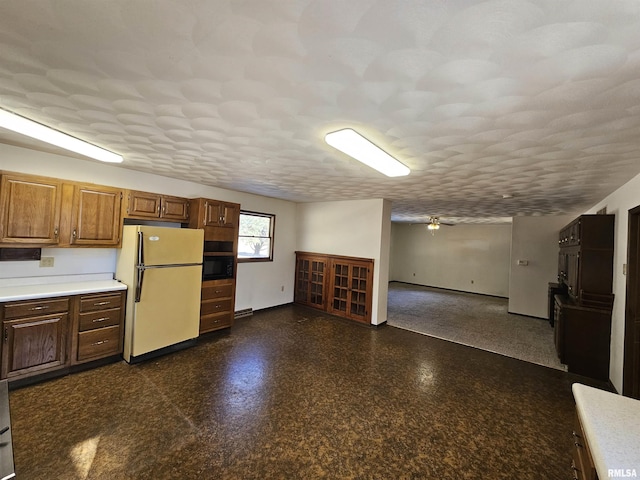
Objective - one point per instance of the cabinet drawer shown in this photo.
(35, 307)
(217, 291)
(92, 303)
(581, 462)
(105, 318)
(209, 323)
(100, 342)
(215, 306)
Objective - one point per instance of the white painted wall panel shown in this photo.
(535, 240)
(357, 228)
(469, 258)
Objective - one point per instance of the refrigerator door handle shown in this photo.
(139, 278)
(140, 249)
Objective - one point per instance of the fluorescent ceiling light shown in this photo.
(355, 145)
(27, 127)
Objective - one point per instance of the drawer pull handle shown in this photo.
(218, 291)
(99, 304)
(101, 319)
(100, 342)
(577, 444)
(40, 307)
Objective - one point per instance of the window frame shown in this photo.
(271, 237)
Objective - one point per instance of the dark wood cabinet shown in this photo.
(342, 286)
(312, 280)
(350, 290)
(30, 210)
(582, 336)
(584, 298)
(585, 263)
(35, 336)
(148, 206)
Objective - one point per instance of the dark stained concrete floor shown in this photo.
(292, 393)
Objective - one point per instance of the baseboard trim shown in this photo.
(449, 289)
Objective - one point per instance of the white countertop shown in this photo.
(9, 293)
(611, 424)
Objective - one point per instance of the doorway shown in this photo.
(631, 368)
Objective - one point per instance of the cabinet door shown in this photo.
(211, 213)
(303, 276)
(351, 290)
(311, 281)
(143, 204)
(97, 219)
(34, 344)
(229, 215)
(573, 274)
(30, 208)
(175, 209)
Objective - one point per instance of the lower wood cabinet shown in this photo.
(582, 462)
(99, 326)
(582, 337)
(217, 305)
(35, 336)
(340, 285)
(50, 334)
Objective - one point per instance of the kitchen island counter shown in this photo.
(611, 424)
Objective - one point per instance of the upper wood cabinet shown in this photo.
(30, 208)
(96, 218)
(221, 214)
(144, 205)
(218, 219)
(46, 212)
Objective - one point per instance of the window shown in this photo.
(255, 240)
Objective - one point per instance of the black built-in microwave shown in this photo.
(217, 267)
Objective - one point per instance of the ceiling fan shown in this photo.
(434, 224)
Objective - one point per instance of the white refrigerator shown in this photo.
(162, 267)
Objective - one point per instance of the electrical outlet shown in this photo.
(46, 262)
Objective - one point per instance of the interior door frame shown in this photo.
(631, 366)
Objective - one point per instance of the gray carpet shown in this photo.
(476, 320)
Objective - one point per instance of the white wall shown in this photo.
(258, 284)
(534, 239)
(469, 258)
(358, 228)
(619, 203)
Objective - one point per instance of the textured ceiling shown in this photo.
(536, 99)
